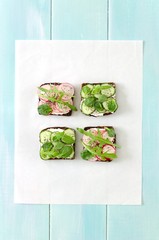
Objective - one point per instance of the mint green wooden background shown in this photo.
(80, 19)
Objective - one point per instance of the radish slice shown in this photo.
(67, 88)
(55, 110)
(45, 86)
(98, 158)
(86, 139)
(41, 102)
(66, 98)
(63, 108)
(93, 159)
(105, 135)
(108, 149)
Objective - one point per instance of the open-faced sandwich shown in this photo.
(56, 99)
(98, 99)
(57, 143)
(99, 143)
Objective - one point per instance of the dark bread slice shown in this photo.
(64, 128)
(111, 83)
(100, 127)
(66, 114)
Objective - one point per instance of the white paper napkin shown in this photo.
(78, 181)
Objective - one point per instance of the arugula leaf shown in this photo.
(97, 151)
(111, 132)
(85, 154)
(44, 109)
(51, 99)
(96, 138)
(47, 146)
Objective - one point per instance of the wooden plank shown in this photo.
(78, 19)
(23, 20)
(139, 20)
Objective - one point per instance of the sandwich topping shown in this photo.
(57, 143)
(98, 143)
(98, 99)
(56, 99)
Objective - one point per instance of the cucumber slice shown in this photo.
(72, 155)
(86, 90)
(44, 155)
(86, 110)
(110, 105)
(45, 136)
(108, 92)
(70, 133)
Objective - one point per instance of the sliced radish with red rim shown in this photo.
(63, 108)
(67, 88)
(105, 135)
(109, 149)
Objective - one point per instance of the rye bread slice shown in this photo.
(66, 114)
(83, 84)
(63, 128)
(101, 127)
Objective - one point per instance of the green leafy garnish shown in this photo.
(44, 109)
(96, 137)
(97, 151)
(90, 101)
(66, 151)
(86, 89)
(112, 104)
(111, 132)
(58, 145)
(98, 106)
(85, 154)
(47, 146)
(72, 107)
(102, 98)
(56, 136)
(68, 139)
(96, 89)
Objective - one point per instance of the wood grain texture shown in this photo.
(20, 20)
(139, 20)
(78, 20)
